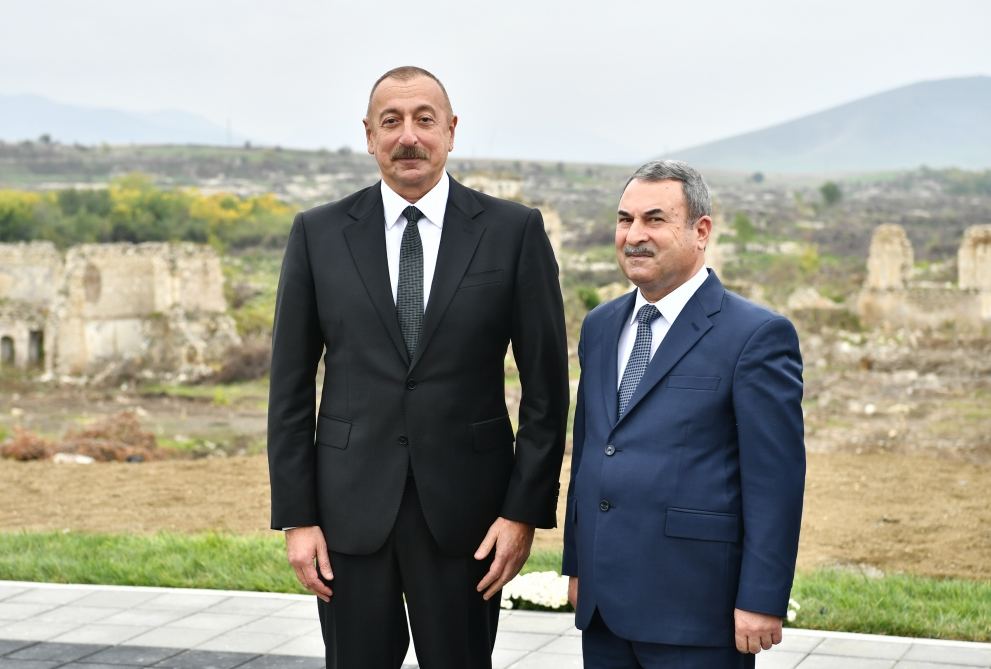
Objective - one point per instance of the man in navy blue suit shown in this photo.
(688, 467)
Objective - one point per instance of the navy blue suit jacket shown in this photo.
(690, 504)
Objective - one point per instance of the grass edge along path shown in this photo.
(830, 599)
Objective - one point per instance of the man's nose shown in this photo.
(408, 138)
(636, 233)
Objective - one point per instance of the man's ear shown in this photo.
(703, 230)
(450, 128)
(368, 136)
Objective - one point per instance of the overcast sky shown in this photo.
(610, 80)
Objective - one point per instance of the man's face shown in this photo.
(410, 132)
(656, 247)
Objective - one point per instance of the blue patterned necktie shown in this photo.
(409, 292)
(639, 357)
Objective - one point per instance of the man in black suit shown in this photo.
(412, 289)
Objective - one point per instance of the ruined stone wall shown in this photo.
(890, 299)
(22, 334)
(890, 259)
(508, 189)
(161, 305)
(29, 272)
(974, 258)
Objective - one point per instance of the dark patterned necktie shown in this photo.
(639, 357)
(409, 293)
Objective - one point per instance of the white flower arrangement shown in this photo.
(793, 608)
(541, 590)
(548, 591)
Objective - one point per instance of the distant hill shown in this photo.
(945, 123)
(30, 116)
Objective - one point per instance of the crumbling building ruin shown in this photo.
(892, 298)
(156, 306)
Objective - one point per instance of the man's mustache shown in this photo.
(409, 153)
(638, 251)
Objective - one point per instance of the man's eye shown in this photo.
(390, 121)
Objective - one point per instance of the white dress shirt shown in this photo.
(432, 205)
(670, 306)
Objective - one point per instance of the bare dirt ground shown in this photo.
(898, 433)
(913, 514)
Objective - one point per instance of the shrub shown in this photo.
(116, 438)
(247, 362)
(26, 445)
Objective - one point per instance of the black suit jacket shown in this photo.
(444, 413)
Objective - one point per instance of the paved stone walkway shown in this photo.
(44, 626)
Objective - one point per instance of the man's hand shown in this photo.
(512, 541)
(304, 545)
(756, 631)
(573, 591)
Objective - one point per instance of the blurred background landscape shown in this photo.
(140, 251)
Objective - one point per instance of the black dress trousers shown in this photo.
(364, 624)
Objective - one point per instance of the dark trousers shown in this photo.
(601, 649)
(364, 624)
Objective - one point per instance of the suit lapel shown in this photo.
(690, 326)
(458, 240)
(366, 241)
(610, 352)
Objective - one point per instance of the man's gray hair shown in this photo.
(696, 192)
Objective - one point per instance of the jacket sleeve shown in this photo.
(767, 399)
(540, 347)
(296, 348)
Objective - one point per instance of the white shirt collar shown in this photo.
(671, 304)
(433, 204)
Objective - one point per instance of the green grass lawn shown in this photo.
(838, 600)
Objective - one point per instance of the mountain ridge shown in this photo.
(938, 123)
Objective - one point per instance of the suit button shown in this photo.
(610, 449)
(403, 441)
(604, 505)
(411, 384)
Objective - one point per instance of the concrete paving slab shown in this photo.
(146, 617)
(310, 645)
(101, 634)
(198, 659)
(14, 611)
(27, 664)
(115, 599)
(245, 642)
(220, 630)
(32, 630)
(52, 596)
(292, 627)
(74, 614)
(949, 654)
(185, 601)
(548, 661)
(10, 590)
(132, 656)
(843, 662)
(221, 622)
(932, 665)
(523, 640)
(250, 605)
(283, 662)
(170, 637)
(878, 649)
(61, 652)
(779, 659)
(502, 658)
